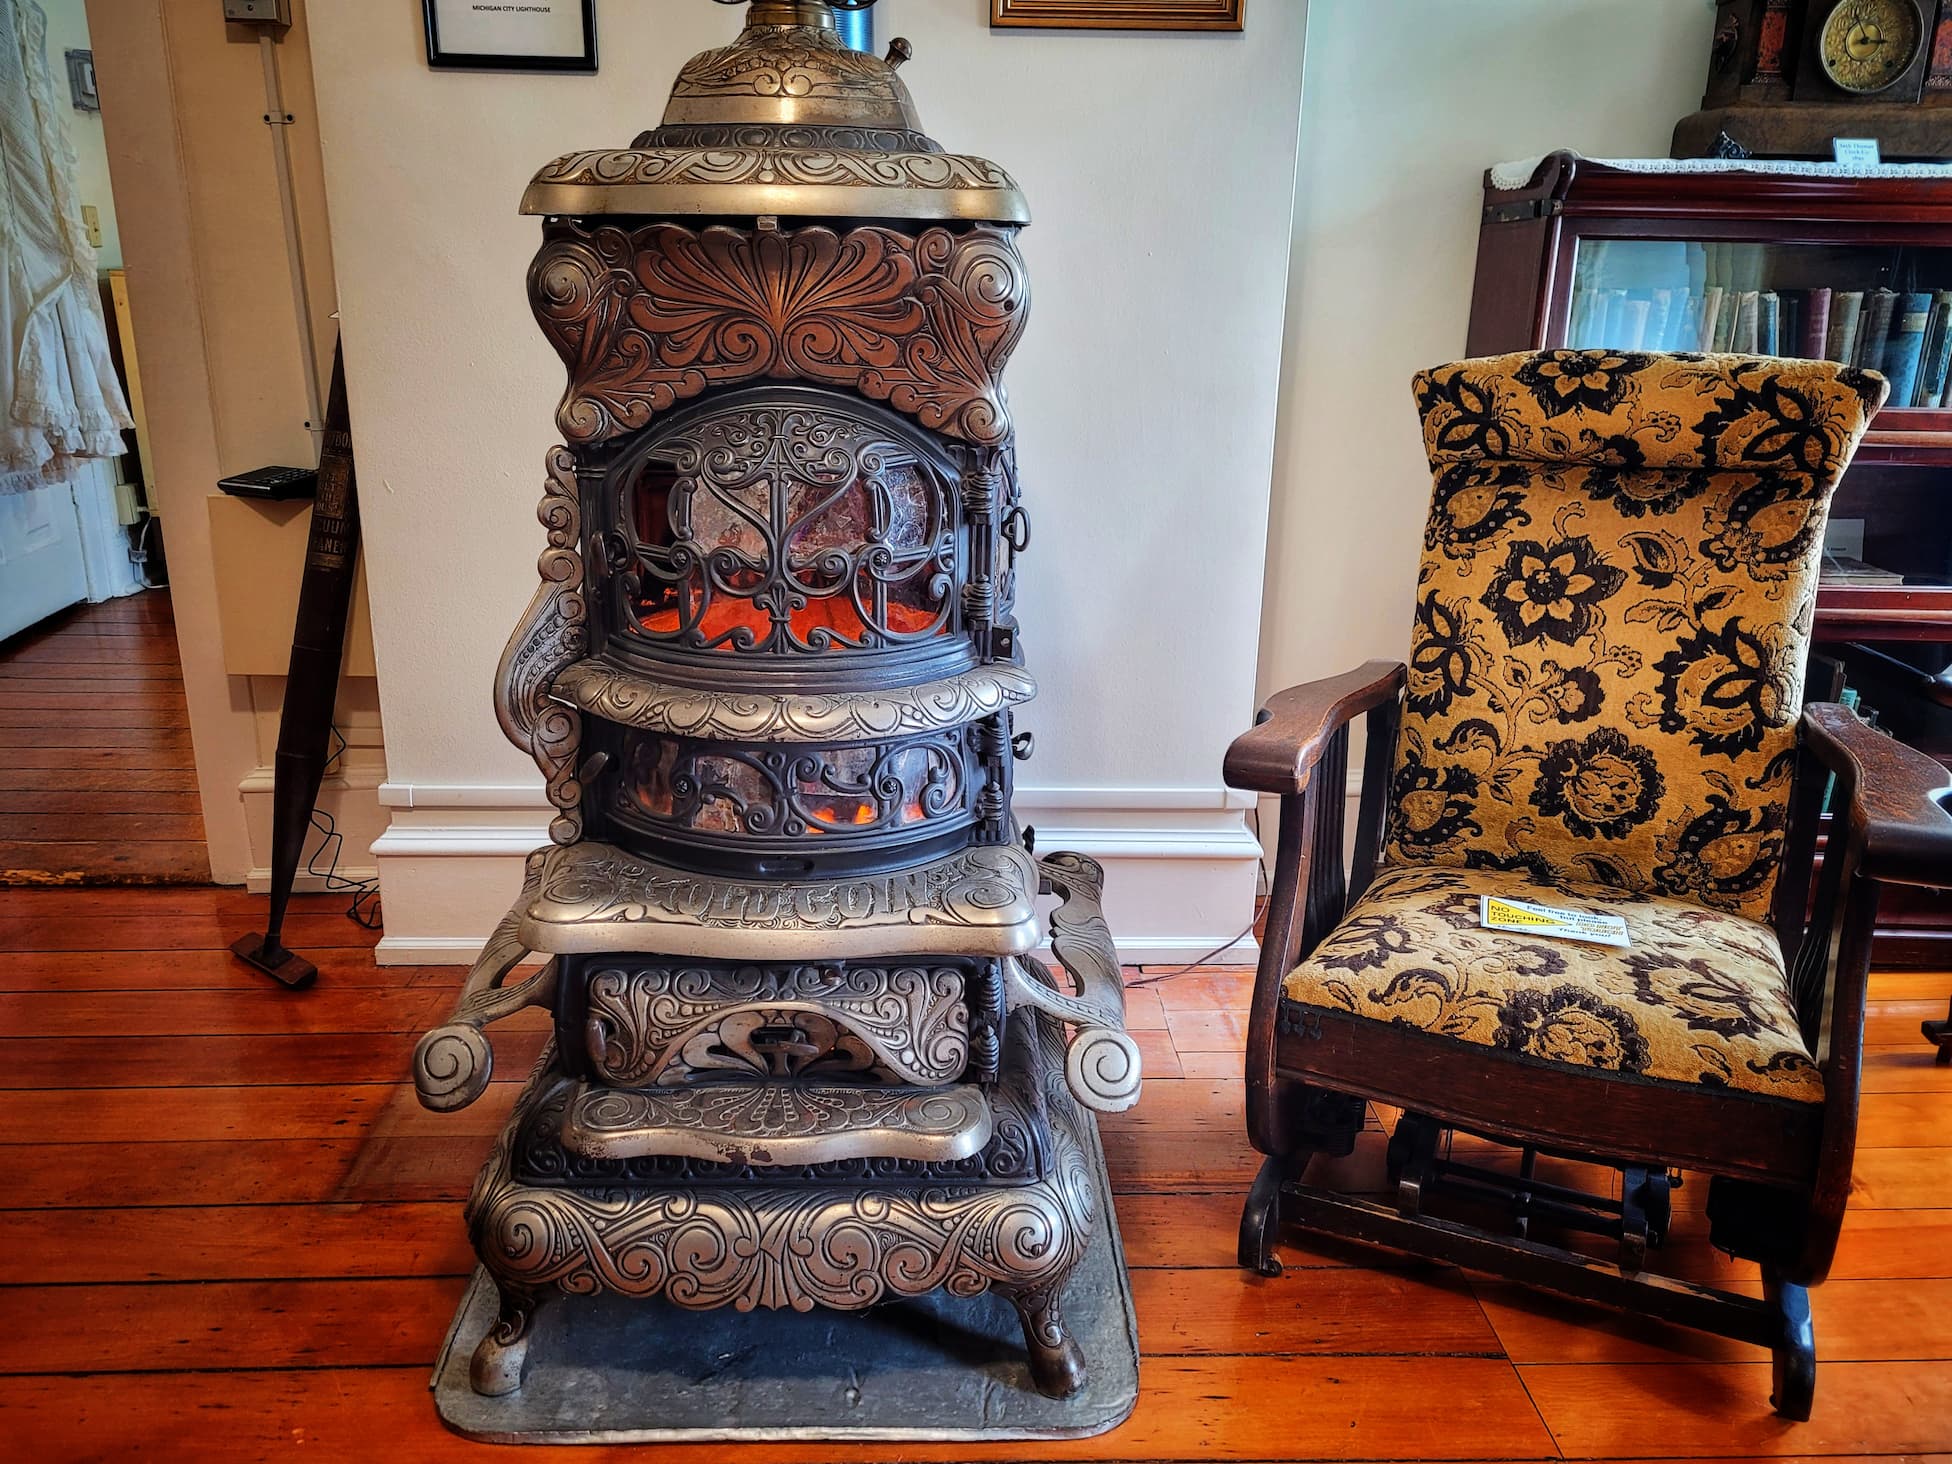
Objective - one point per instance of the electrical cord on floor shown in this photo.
(364, 910)
(1260, 893)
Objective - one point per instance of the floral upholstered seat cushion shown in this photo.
(1613, 613)
(1699, 996)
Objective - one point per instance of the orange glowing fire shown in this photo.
(836, 614)
(863, 813)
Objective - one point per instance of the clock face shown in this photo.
(1866, 45)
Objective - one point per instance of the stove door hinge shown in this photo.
(1518, 212)
(979, 600)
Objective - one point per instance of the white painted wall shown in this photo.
(217, 339)
(67, 30)
(1160, 168)
(1388, 194)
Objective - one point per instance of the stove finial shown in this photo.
(817, 13)
(788, 119)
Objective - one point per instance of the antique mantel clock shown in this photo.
(1786, 78)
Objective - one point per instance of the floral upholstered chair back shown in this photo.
(1613, 614)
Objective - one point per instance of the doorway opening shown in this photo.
(97, 780)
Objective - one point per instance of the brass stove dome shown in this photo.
(784, 121)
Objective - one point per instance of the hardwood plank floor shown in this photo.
(229, 1232)
(97, 780)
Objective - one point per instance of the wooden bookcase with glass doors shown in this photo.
(1792, 264)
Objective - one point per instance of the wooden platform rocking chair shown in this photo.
(1601, 712)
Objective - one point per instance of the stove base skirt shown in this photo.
(608, 1370)
(842, 1246)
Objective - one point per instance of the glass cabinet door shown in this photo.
(1886, 307)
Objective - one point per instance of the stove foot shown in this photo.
(503, 1355)
(1056, 1362)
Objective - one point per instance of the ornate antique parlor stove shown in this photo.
(802, 1054)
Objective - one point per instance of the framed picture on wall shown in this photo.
(1177, 15)
(504, 35)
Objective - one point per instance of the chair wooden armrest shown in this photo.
(1295, 726)
(1889, 825)
(1299, 748)
(1894, 797)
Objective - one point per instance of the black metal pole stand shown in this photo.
(311, 685)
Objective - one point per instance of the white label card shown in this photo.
(1856, 152)
(510, 27)
(1525, 918)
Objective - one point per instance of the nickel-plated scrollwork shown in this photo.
(887, 1024)
(773, 529)
(798, 63)
(807, 139)
(1018, 1152)
(452, 1063)
(595, 897)
(853, 1246)
(772, 162)
(552, 634)
(744, 797)
(646, 317)
(1102, 1061)
(780, 180)
(779, 1044)
(756, 715)
(778, 1123)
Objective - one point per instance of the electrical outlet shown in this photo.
(91, 222)
(263, 12)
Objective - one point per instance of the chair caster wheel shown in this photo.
(1260, 1220)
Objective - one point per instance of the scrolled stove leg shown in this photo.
(452, 1063)
(502, 1357)
(1057, 1364)
(1101, 1063)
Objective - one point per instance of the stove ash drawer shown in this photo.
(642, 1021)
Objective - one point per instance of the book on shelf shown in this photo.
(1846, 315)
(1579, 320)
(1687, 333)
(1613, 319)
(1634, 315)
(1769, 323)
(1711, 318)
(1935, 359)
(1814, 337)
(1874, 330)
(1660, 321)
(1744, 338)
(1840, 569)
(1905, 335)
(1910, 314)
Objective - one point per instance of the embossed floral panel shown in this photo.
(1613, 614)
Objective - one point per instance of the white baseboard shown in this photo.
(451, 950)
(350, 798)
(1181, 866)
(258, 881)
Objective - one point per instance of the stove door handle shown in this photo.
(1015, 530)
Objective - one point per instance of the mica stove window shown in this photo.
(789, 531)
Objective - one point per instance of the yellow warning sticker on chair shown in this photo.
(1529, 919)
